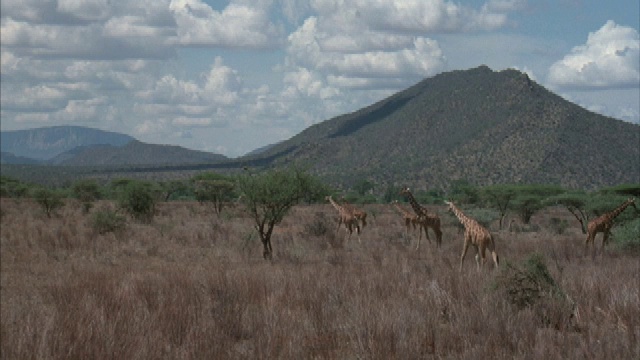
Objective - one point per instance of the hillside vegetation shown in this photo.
(478, 125)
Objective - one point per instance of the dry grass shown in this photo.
(194, 285)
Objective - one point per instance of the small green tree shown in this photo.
(49, 200)
(499, 197)
(172, 188)
(575, 202)
(213, 189)
(137, 198)
(268, 197)
(363, 186)
(10, 187)
(87, 191)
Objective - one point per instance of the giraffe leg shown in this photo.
(420, 235)
(464, 252)
(590, 239)
(605, 240)
(479, 257)
(438, 236)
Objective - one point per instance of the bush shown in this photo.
(106, 220)
(138, 200)
(530, 285)
(626, 237)
(48, 199)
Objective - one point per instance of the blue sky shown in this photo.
(231, 76)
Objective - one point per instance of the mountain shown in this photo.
(478, 125)
(133, 153)
(47, 142)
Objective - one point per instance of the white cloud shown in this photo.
(238, 25)
(609, 59)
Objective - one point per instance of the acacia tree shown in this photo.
(213, 188)
(87, 191)
(268, 197)
(50, 200)
(575, 202)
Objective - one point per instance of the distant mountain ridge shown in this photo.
(134, 153)
(47, 142)
(83, 146)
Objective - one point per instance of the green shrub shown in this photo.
(626, 236)
(530, 285)
(137, 198)
(49, 200)
(106, 220)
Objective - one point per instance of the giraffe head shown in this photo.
(450, 205)
(404, 190)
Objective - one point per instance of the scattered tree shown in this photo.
(87, 191)
(269, 196)
(137, 198)
(213, 189)
(50, 200)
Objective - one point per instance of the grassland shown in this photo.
(193, 285)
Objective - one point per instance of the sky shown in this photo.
(229, 77)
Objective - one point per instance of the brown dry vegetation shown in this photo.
(193, 285)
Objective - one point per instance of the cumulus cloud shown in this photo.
(609, 59)
(238, 25)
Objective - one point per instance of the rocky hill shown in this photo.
(479, 125)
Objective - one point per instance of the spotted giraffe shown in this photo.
(476, 235)
(604, 223)
(345, 217)
(410, 219)
(359, 214)
(425, 218)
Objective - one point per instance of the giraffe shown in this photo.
(476, 235)
(409, 218)
(604, 223)
(345, 217)
(425, 219)
(359, 214)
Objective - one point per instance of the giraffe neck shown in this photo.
(401, 209)
(464, 219)
(613, 214)
(335, 204)
(414, 204)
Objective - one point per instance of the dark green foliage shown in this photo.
(50, 200)
(173, 189)
(137, 198)
(362, 187)
(214, 189)
(530, 285)
(268, 197)
(87, 191)
(10, 187)
(626, 236)
(623, 189)
(463, 192)
(575, 202)
(106, 220)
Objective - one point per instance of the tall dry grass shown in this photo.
(193, 285)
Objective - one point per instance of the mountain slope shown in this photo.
(47, 142)
(133, 153)
(483, 126)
